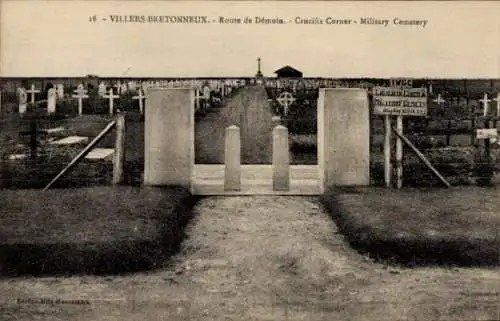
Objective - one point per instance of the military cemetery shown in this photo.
(380, 156)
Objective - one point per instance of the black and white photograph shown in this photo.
(249, 160)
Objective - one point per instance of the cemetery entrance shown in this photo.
(170, 145)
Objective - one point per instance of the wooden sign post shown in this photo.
(398, 100)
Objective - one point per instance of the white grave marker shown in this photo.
(111, 98)
(51, 100)
(438, 100)
(285, 99)
(81, 94)
(60, 91)
(124, 88)
(144, 87)
(33, 91)
(71, 140)
(118, 87)
(498, 104)
(23, 100)
(206, 92)
(101, 91)
(197, 97)
(140, 97)
(485, 102)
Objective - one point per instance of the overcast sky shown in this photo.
(55, 38)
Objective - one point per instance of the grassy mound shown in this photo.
(458, 226)
(102, 230)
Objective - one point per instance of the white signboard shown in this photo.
(486, 133)
(400, 101)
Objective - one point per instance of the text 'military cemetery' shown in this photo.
(400, 101)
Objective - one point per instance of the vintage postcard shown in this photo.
(249, 160)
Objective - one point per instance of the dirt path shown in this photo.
(250, 102)
(266, 258)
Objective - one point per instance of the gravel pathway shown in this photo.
(266, 258)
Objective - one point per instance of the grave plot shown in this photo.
(57, 148)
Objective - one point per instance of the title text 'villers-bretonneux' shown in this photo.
(158, 19)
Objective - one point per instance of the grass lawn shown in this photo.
(90, 230)
(458, 226)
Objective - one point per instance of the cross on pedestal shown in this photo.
(439, 100)
(140, 97)
(286, 100)
(259, 73)
(111, 97)
(485, 102)
(32, 91)
(81, 93)
(498, 104)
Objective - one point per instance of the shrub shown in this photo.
(303, 143)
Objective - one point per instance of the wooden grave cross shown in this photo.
(140, 97)
(81, 94)
(111, 97)
(33, 91)
(439, 100)
(197, 96)
(485, 102)
(498, 104)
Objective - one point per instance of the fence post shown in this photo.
(281, 159)
(399, 152)
(232, 159)
(387, 151)
(119, 155)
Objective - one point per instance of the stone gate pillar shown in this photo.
(169, 137)
(343, 137)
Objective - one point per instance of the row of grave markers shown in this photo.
(485, 102)
(202, 95)
(224, 88)
(80, 93)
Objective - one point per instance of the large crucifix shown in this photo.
(259, 73)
